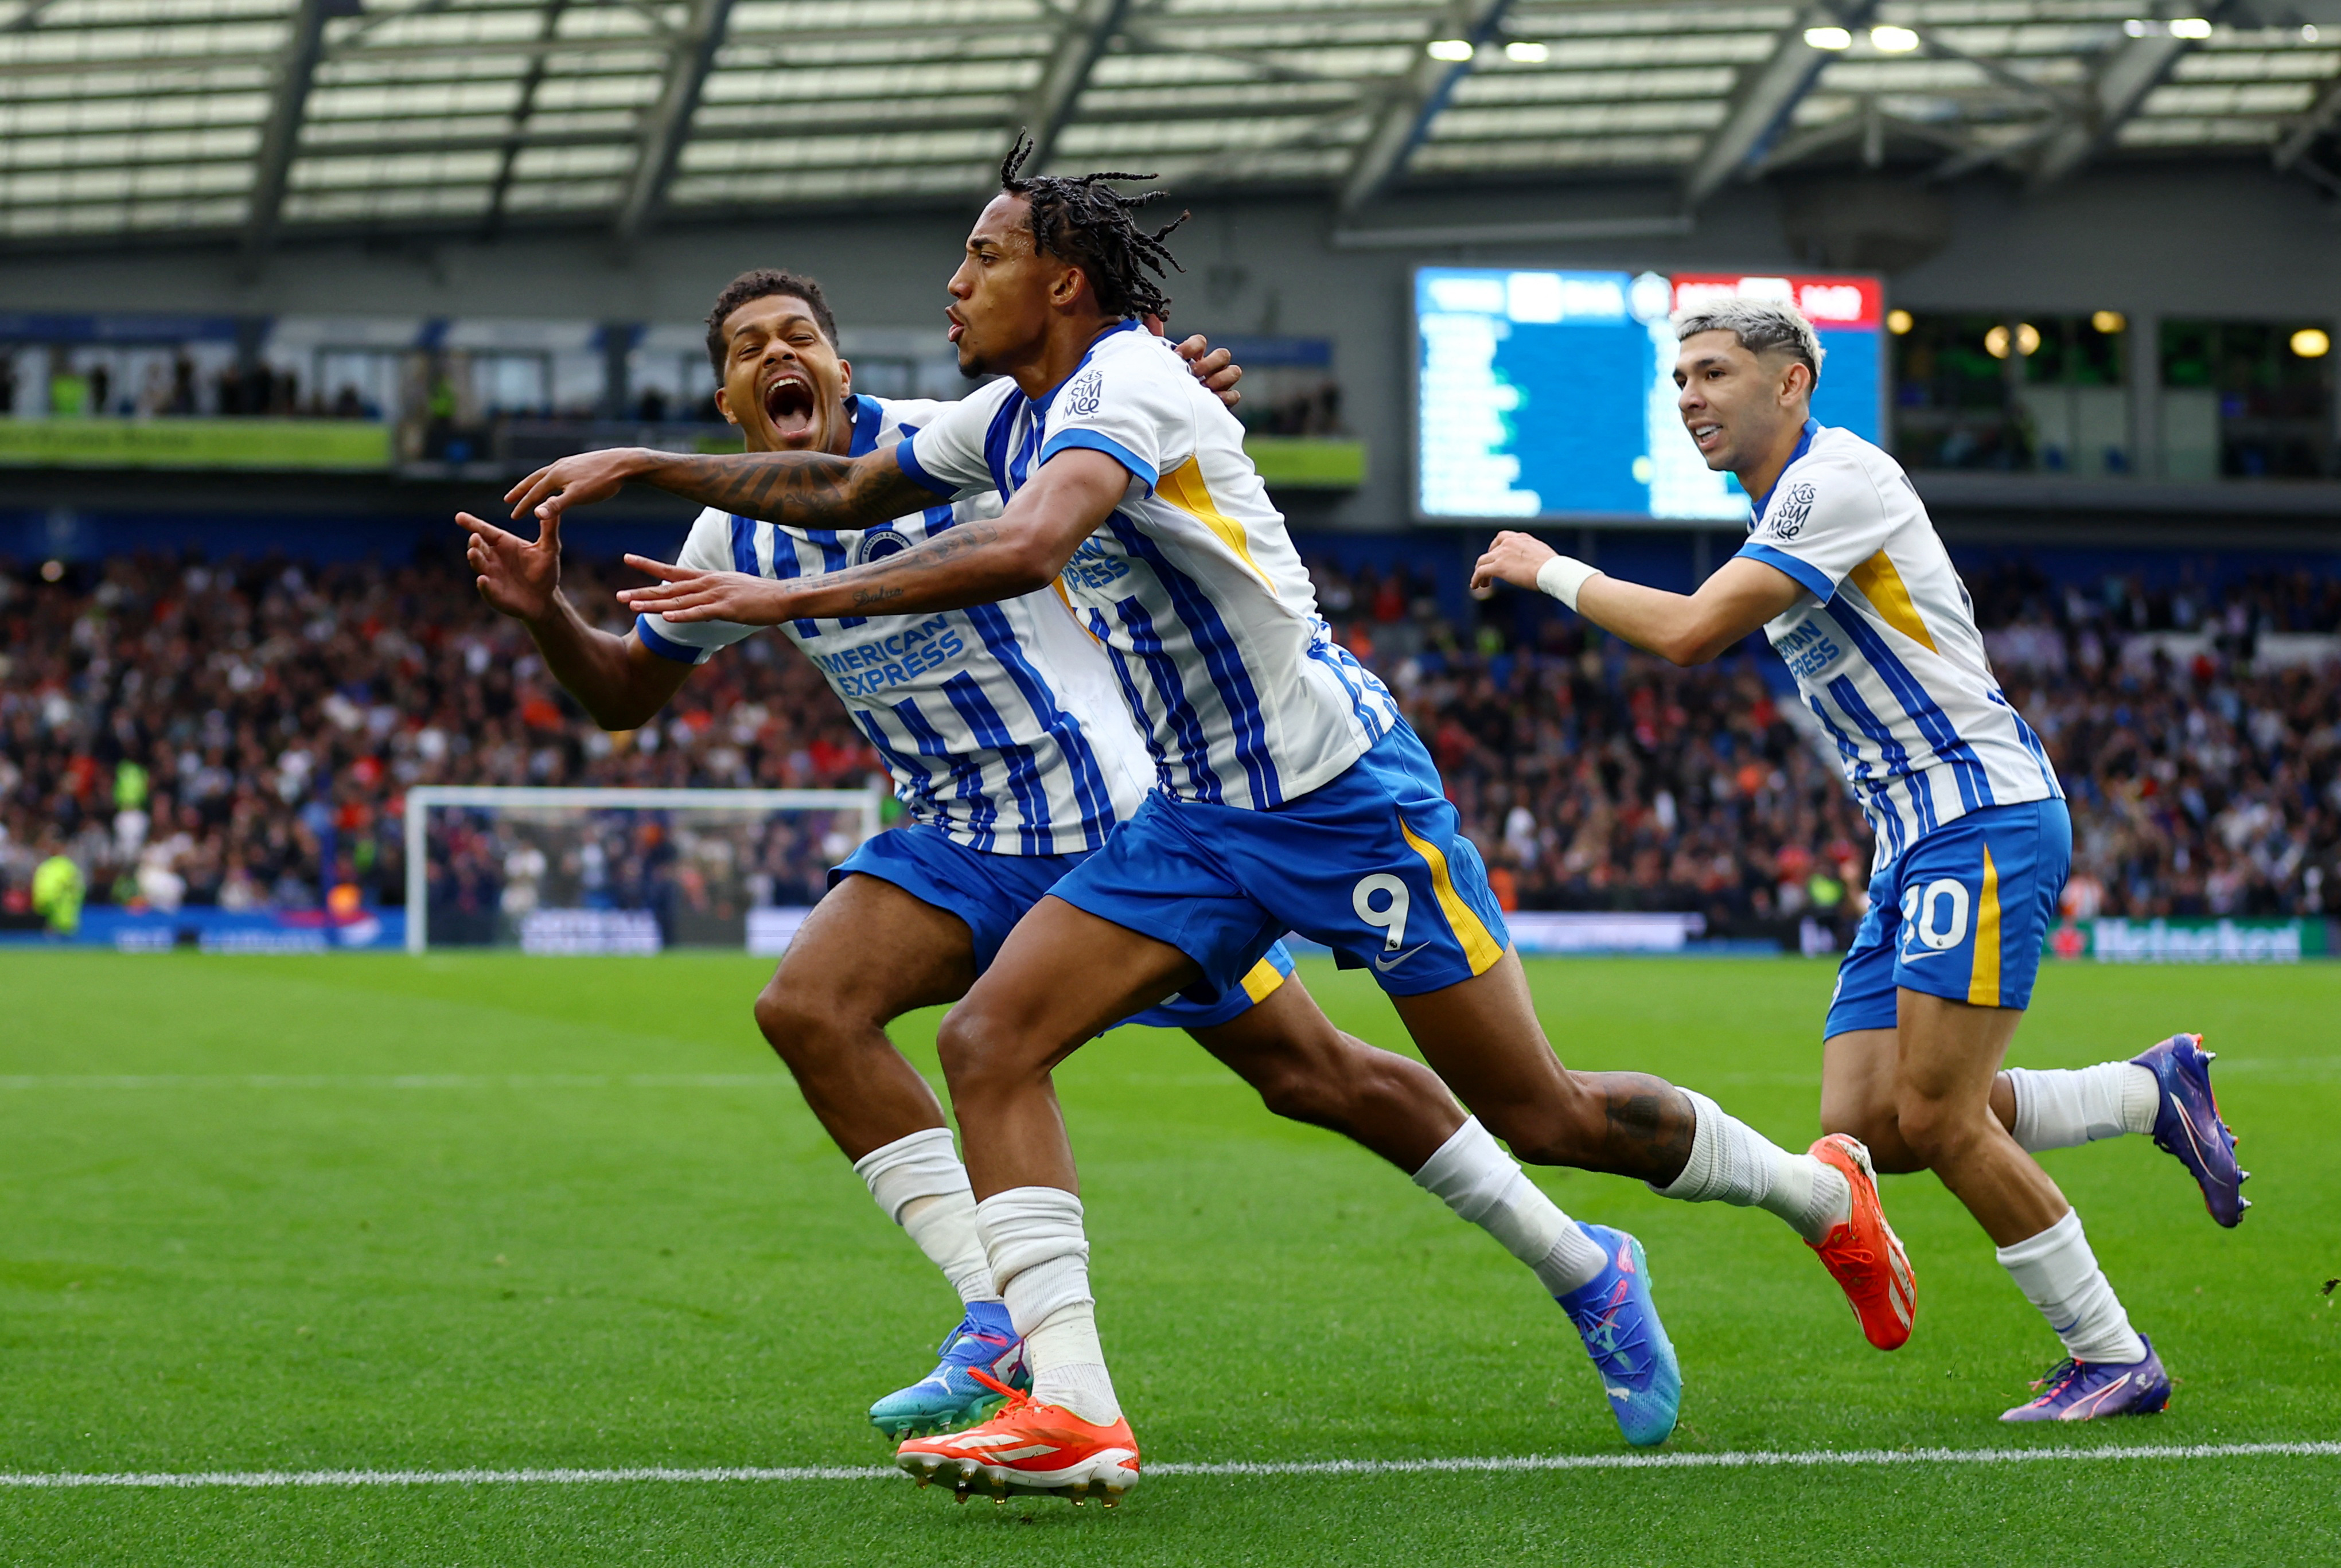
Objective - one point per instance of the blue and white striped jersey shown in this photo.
(1192, 585)
(1001, 724)
(1885, 650)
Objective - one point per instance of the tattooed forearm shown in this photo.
(806, 488)
(977, 562)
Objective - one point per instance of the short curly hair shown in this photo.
(762, 282)
(1079, 220)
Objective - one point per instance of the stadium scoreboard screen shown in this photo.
(1550, 395)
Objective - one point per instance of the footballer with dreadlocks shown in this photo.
(1014, 755)
(1289, 795)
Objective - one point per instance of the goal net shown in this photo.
(616, 870)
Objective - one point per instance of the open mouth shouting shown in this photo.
(788, 402)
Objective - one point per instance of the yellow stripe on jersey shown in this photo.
(1261, 981)
(1882, 586)
(1479, 949)
(1183, 488)
(1983, 987)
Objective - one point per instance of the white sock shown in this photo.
(2059, 1273)
(923, 1188)
(2060, 1107)
(1041, 1264)
(1483, 1184)
(1732, 1162)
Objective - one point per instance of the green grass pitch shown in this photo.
(484, 1211)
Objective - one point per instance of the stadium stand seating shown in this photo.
(240, 735)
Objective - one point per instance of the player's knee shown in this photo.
(1861, 1116)
(1289, 1089)
(790, 1025)
(979, 1048)
(1935, 1131)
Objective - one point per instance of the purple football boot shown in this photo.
(2085, 1390)
(2187, 1125)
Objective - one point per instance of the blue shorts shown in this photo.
(1374, 865)
(991, 892)
(1961, 913)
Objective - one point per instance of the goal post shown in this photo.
(614, 869)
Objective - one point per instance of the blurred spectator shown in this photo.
(242, 735)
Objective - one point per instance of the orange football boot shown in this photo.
(1028, 1448)
(1863, 1255)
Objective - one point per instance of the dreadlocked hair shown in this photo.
(1081, 221)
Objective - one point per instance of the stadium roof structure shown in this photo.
(247, 120)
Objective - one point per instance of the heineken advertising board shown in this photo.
(2193, 941)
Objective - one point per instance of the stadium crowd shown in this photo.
(241, 734)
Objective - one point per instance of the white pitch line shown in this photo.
(20, 1081)
(1490, 1465)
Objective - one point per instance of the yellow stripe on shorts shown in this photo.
(1983, 987)
(1259, 982)
(1479, 949)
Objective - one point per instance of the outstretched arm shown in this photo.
(621, 683)
(1682, 629)
(978, 563)
(802, 489)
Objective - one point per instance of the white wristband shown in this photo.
(1564, 577)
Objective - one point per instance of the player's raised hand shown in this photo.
(516, 576)
(682, 593)
(579, 480)
(1215, 368)
(1513, 557)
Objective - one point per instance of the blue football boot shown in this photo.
(1619, 1324)
(2085, 1390)
(949, 1397)
(2187, 1125)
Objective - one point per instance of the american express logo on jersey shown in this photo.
(887, 661)
(1809, 649)
(1094, 566)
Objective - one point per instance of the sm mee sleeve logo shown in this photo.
(1785, 519)
(1087, 393)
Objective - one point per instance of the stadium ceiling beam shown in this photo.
(2310, 126)
(1405, 119)
(669, 123)
(296, 71)
(28, 19)
(1999, 71)
(1767, 98)
(1869, 122)
(522, 110)
(1087, 29)
(2136, 69)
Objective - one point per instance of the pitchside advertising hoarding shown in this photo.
(1546, 396)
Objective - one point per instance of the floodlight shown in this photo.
(1454, 51)
(1893, 40)
(1828, 38)
(2312, 343)
(2027, 340)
